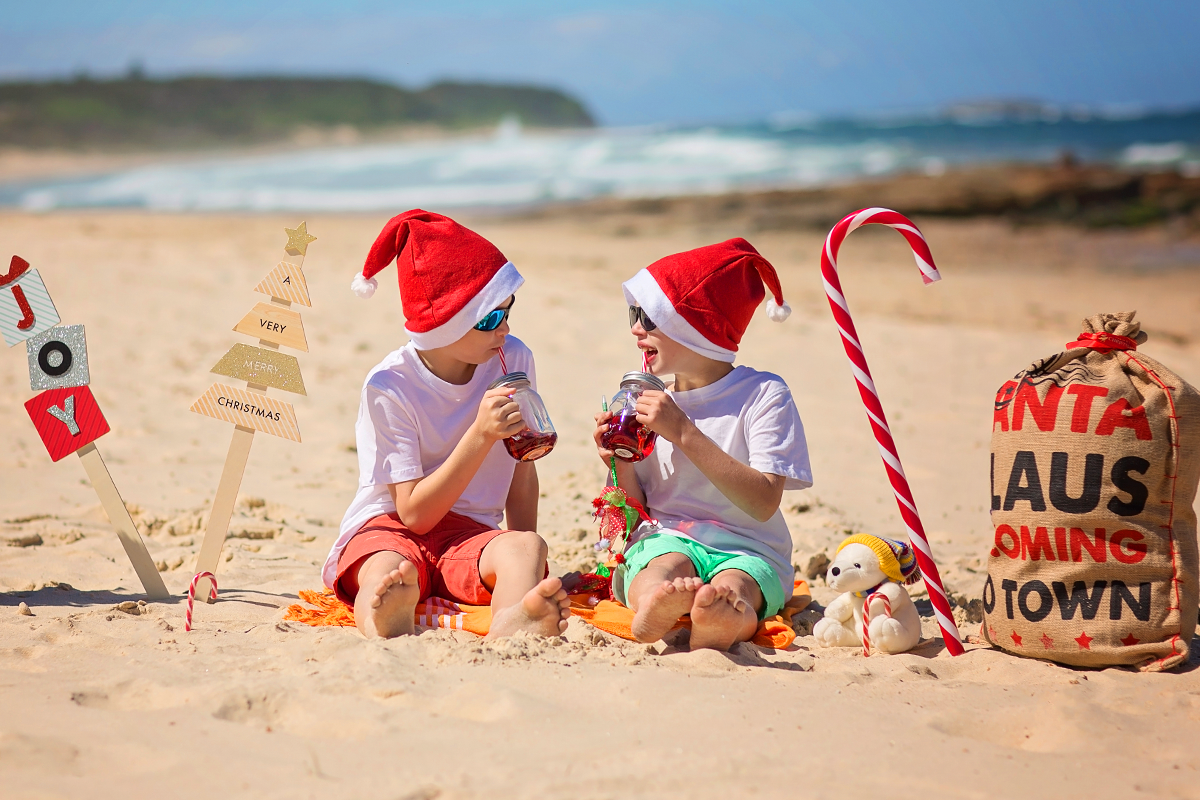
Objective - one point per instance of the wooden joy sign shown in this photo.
(66, 415)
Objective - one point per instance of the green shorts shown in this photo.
(707, 561)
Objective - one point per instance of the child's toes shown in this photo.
(706, 595)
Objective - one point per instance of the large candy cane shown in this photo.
(870, 398)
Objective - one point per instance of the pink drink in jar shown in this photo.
(538, 437)
(627, 438)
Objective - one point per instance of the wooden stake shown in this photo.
(131, 540)
(222, 507)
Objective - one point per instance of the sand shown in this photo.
(104, 697)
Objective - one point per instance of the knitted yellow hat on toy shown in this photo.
(896, 559)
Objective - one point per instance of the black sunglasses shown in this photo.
(495, 319)
(636, 314)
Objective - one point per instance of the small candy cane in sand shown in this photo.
(187, 625)
(866, 616)
(870, 398)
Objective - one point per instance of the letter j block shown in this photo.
(66, 419)
(25, 307)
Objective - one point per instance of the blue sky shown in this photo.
(646, 62)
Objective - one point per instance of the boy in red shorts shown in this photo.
(435, 480)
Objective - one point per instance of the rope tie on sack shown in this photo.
(1104, 342)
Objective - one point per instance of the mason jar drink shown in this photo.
(538, 437)
(627, 438)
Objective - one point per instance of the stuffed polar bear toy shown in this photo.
(865, 565)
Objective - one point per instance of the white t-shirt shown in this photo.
(409, 422)
(750, 415)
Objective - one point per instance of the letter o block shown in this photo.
(58, 358)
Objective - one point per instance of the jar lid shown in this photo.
(511, 379)
(645, 378)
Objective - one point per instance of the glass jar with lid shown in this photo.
(627, 438)
(538, 437)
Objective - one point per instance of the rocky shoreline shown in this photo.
(1093, 196)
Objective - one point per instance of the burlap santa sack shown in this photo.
(1095, 461)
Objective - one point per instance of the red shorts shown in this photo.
(446, 558)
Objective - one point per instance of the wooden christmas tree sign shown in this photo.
(65, 414)
(275, 325)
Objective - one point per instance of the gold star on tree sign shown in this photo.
(298, 240)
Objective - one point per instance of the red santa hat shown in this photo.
(450, 277)
(704, 298)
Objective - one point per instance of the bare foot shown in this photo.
(385, 603)
(720, 619)
(543, 610)
(661, 608)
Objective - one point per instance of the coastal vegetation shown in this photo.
(136, 112)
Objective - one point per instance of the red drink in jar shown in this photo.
(629, 439)
(538, 437)
(530, 446)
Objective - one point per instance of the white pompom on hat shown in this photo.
(450, 277)
(704, 298)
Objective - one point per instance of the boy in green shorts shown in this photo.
(730, 441)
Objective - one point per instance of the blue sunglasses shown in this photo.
(495, 319)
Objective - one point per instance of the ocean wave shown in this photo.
(514, 168)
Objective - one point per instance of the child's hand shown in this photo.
(658, 412)
(601, 426)
(499, 416)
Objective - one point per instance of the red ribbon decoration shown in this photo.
(16, 268)
(1104, 342)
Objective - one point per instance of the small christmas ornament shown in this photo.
(619, 515)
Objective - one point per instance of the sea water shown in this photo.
(514, 168)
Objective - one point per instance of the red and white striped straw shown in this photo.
(645, 362)
(870, 397)
(187, 625)
(866, 618)
(503, 365)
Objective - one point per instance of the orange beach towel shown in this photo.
(607, 615)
